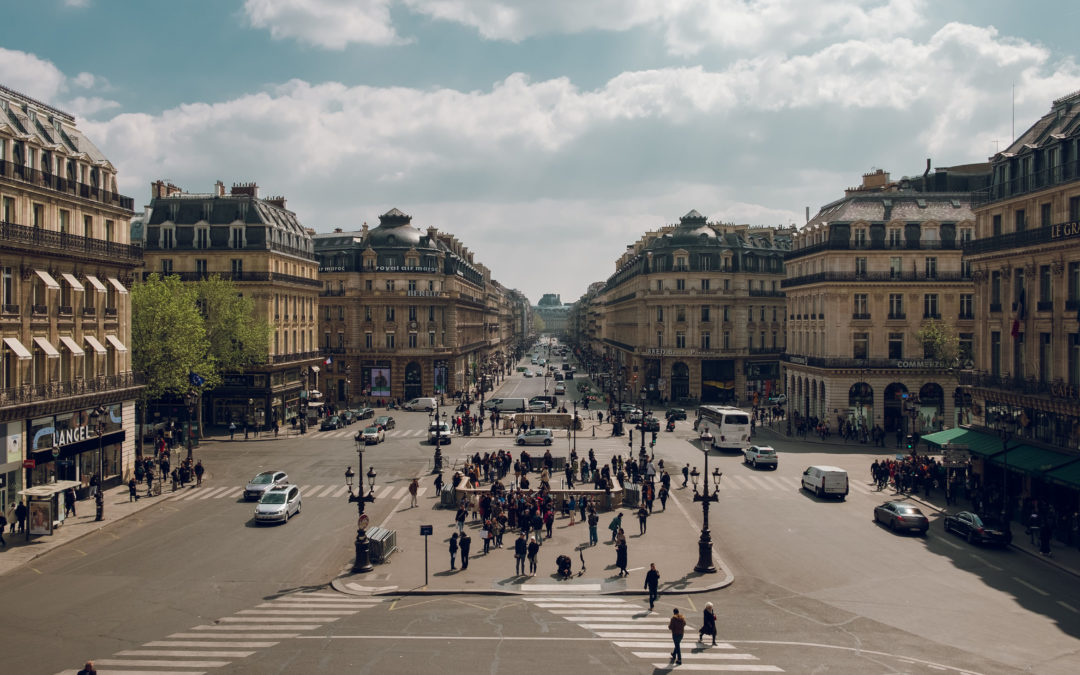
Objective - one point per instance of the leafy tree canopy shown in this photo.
(238, 338)
(939, 341)
(168, 337)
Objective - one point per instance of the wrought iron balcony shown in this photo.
(40, 240)
(65, 185)
(32, 393)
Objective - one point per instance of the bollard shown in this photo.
(99, 503)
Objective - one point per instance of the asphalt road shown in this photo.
(819, 587)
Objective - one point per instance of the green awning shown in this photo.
(1032, 460)
(1068, 474)
(981, 443)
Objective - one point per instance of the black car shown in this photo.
(330, 423)
(651, 423)
(363, 413)
(901, 516)
(385, 421)
(675, 414)
(978, 529)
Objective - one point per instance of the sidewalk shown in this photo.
(671, 541)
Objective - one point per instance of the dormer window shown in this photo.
(168, 237)
(202, 236)
(860, 237)
(236, 237)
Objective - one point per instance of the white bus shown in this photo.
(729, 427)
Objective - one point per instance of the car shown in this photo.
(385, 421)
(558, 376)
(536, 437)
(363, 413)
(441, 431)
(760, 455)
(901, 516)
(778, 399)
(262, 482)
(372, 435)
(978, 529)
(277, 504)
(651, 423)
(425, 403)
(675, 414)
(560, 388)
(347, 417)
(569, 375)
(539, 406)
(329, 423)
(628, 407)
(528, 373)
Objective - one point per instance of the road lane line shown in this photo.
(726, 667)
(215, 492)
(233, 636)
(301, 612)
(945, 541)
(238, 628)
(699, 656)
(985, 562)
(1068, 606)
(184, 652)
(624, 626)
(274, 619)
(315, 606)
(609, 635)
(549, 588)
(664, 645)
(1034, 588)
(304, 488)
(147, 663)
(613, 601)
(340, 492)
(207, 643)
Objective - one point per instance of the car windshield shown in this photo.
(371, 430)
(273, 498)
(382, 420)
(976, 521)
(766, 451)
(909, 510)
(263, 478)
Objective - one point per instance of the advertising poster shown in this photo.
(380, 381)
(41, 517)
(440, 377)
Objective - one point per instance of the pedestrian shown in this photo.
(232, 430)
(685, 474)
(453, 548)
(20, 515)
(677, 625)
(414, 487)
(594, 520)
(708, 624)
(616, 524)
(652, 582)
(465, 542)
(621, 554)
(520, 549)
(642, 516)
(460, 518)
(199, 471)
(10, 515)
(663, 497)
(1046, 531)
(88, 669)
(3, 526)
(133, 490)
(438, 484)
(69, 502)
(533, 549)
(572, 508)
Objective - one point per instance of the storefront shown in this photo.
(75, 446)
(11, 462)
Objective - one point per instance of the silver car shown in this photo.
(263, 482)
(536, 437)
(760, 455)
(277, 504)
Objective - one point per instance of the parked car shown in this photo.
(651, 423)
(675, 414)
(364, 413)
(560, 388)
(760, 455)
(528, 373)
(385, 421)
(539, 406)
(347, 417)
(633, 416)
(330, 423)
(901, 516)
(373, 435)
(440, 431)
(262, 482)
(778, 399)
(277, 504)
(427, 404)
(536, 437)
(978, 529)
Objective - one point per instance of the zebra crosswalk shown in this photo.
(761, 481)
(645, 634)
(216, 645)
(351, 431)
(336, 491)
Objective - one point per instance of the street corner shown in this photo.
(356, 584)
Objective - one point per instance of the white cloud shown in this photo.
(687, 26)
(89, 106)
(84, 80)
(330, 24)
(30, 75)
(77, 3)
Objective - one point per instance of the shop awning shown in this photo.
(1032, 460)
(73, 281)
(72, 346)
(115, 342)
(47, 278)
(96, 283)
(46, 347)
(50, 489)
(1068, 474)
(20, 351)
(117, 285)
(980, 442)
(94, 344)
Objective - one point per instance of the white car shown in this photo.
(560, 388)
(373, 435)
(778, 399)
(263, 482)
(539, 406)
(440, 431)
(277, 504)
(527, 373)
(536, 437)
(760, 455)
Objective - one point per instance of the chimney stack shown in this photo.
(219, 189)
(250, 189)
(277, 201)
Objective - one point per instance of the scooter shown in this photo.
(671, 424)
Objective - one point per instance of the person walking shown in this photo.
(199, 471)
(533, 549)
(663, 497)
(133, 490)
(677, 625)
(414, 487)
(615, 526)
(453, 549)
(685, 474)
(438, 484)
(10, 514)
(459, 519)
(642, 516)
(232, 430)
(652, 582)
(465, 542)
(621, 554)
(3, 526)
(708, 624)
(20, 516)
(520, 549)
(88, 669)
(69, 502)
(593, 520)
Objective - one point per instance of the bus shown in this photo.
(728, 426)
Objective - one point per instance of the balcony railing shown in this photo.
(31, 393)
(39, 310)
(1039, 180)
(995, 306)
(110, 312)
(1044, 306)
(966, 316)
(893, 277)
(759, 293)
(1020, 385)
(11, 309)
(879, 245)
(897, 316)
(299, 356)
(241, 277)
(89, 311)
(860, 316)
(61, 242)
(1015, 240)
(869, 364)
(931, 315)
(332, 293)
(64, 185)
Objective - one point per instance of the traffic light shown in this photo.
(910, 442)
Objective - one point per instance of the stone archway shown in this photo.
(931, 408)
(861, 404)
(680, 381)
(893, 407)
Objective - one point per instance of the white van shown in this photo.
(825, 481)
(425, 404)
(507, 404)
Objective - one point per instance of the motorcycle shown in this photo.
(391, 406)
(671, 424)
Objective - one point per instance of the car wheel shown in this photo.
(547, 441)
(521, 442)
(286, 515)
(753, 463)
(971, 537)
(820, 492)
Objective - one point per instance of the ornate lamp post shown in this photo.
(643, 453)
(362, 562)
(190, 398)
(97, 417)
(705, 559)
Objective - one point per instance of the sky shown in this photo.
(547, 136)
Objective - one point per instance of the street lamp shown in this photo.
(643, 454)
(705, 559)
(250, 417)
(190, 399)
(97, 415)
(362, 563)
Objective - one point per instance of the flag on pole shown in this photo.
(328, 361)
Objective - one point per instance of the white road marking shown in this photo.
(317, 604)
(292, 612)
(555, 588)
(118, 662)
(630, 624)
(269, 619)
(1034, 588)
(323, 489)
(207, 643)
(622, 635)
(214, 492)
(628, 613)
(736, 668)
(184, 652)
(985, 562)
(340, 492)
(942, 540)
(614, 601)
(296, 626)
(384, 491)
(1068, 606)
(400, 493)
(699, 656)
(666, 644)
(233, 636)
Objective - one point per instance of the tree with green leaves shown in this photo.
(238, 338)
(940, 341)
(539, 325)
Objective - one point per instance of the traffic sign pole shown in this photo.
(425, 532)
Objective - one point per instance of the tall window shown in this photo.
(705, 313)
(1044, 214)
(930, 306)
(1046, 364)
(65, 221)
(236, 237)
(967, 306)
(341, 339)
(367, 340)
(200, 267)
(680, 340)
(1020, 220)
(367, 312)
(660, 314)
(412, 284)
(860, 237)
(8, 291)
(1045, 292)
(237, 266)
(7, 210)
(202, 237)
(1074, 281)
(860, 267)
(896, 305)
(861, 346)
(894, 237)
(680, 313)
(706, 342)
(727, 313)
(1018, 286)
(727, 340)
(389, 313)
(705, 262)
(412, 312)
(896, 267)
(705, 283)
(1018, 355)
(1074, 209)
(166, 266)
(931, 267)
(966, 347)
(995, 353)
(659, 339)
(389, 340)
(1074, 359)
(680, 284)
(88, 226)
(109, 230)
(896, 345)
(431, 338)
(995, 229)
(413, 341)
(861, 306)
(168, 238)
(995, 291)
(431, 313)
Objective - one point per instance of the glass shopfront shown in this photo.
(77, 445)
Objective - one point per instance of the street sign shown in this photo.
(426, 530)
(28, 464)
